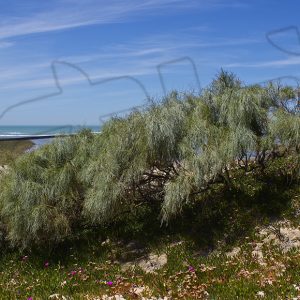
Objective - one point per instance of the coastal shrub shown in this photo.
(164, 155)
(42, 196)
(175, 150)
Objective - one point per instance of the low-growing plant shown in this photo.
(10, 150)
(42, 195)
(165, 155)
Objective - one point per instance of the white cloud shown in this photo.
(66, 14)
(71, 14)
(134, 58)
(292, 61)
(6, 44)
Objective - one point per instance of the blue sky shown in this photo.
(111, 39)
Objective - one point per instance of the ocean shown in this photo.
(23, 131)
(19, 130)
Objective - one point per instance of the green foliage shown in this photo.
(10, 150)
(165, 155)
(41, 197)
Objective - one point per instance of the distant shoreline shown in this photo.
(26, 130)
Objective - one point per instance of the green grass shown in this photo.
(81, 268)
(10, 150)
(197, 267)
(84, 275)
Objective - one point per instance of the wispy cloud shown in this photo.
(66, 14)
(137, 57)
(292, 61)
(6, 44)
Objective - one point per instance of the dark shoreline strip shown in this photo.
(36, 137)
(32, 137)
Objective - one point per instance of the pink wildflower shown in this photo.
(191, 269)
(109, 283)
(46, 264)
